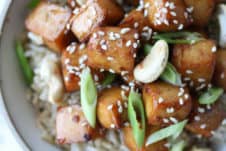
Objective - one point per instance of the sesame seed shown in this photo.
(189, 71)
(104, 47)
(101, 70)
(201, 87)
(181, 101)
(84, 124)
(124, 30)
(110, 58)
(208, 106)
(82, 46)
(201, 80)
(135, 45)
(101, 33)
(76, 11)
(190, 9)
(111, 70)
(170, 110)
(186, 96)
(214, 49)
(201, 110)
(222, 75)
(187, 79)
(180, 27)
(128, 43)
(70, 109)
(173, 13)
(223, 122)
(165, 120)
(175, 22)
(145, 13)
(112, 125)
(174, 120)
(203, 126)
(126, 124)
(136, 36)
(197, 118)
(120, 109)
(72, 47)
(160, 100)
(136, 25)
(110, 107)
(125, 104)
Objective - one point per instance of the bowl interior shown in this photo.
(12, 83)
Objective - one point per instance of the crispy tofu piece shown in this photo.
(111, 108)
(136, 19)
(219, 77)
(112, 49)
(165, 104)
(201, 11)
(195, 62)
(73, 60)
(95, 14)
(49, 21)
(167, 15)
(129, 141)
(204, 120)
(72, 126)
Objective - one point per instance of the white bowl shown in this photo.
(18, 112)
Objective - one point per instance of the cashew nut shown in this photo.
(222, 24)
(51, 74)
(153, 64)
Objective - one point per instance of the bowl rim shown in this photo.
(7, 117)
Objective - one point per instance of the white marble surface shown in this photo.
(7, 141)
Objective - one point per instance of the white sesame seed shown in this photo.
(112, 125)
(190, 9)
(165, 120)
(175, 22)
(128, 43)
(124, 30)
(126, 124)
(125, 104)
(170, 110)
(110, 107)
(136, 25)
(160, 100)
(173, 13)
(222, 75)
(214, 49)
(120, 109)
(180, 27)
(104, 47)
(201, 80)
(82, 46)
(203, 85)
(197, 118)
(70, 109)
(189, 71)
(136, 36)
(110, 58)
(201, 110)
(145, 13)
(187, 79)
(76, 11)
(223, 122)
(181, 101)
(186, 96)
(111, 70)
(101, 33)
(174, 120)
(135, 45)
(203, 126)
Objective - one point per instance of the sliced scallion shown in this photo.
(179, 37)
(33, 3)
(211, 95)
(178, 146)
(171, 75)
(147, 49)
(27, 71)
(136, 116)
(172, 131)
(110, 77)
(88, 96)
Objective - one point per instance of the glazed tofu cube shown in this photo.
(205, 119)
(167, 15)
(112, 49)
(95, 14)
(166, 104)
(195, 63)
(219, 77)
(129, 141)
(136, 19)
(201, 10)
(111, 108)
(49, 21)
(73, 61)
(72, 127)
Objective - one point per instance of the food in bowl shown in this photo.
(126, 75)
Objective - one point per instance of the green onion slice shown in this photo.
(211, 95)
(33, 3)
(179, 37)
(137, 117)
(27, 71)
(178, 146)
(173, 130)
(88, 96)
(110, 77)
(171, 75)
(147, 49)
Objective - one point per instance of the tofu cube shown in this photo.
(195, 63)
(205, 119)
(111, 108)
(219, 77)
(96, 13)
(73, 61)
(137, 20)
(113, 49)
(72, 126)
(167, 15)
(49, 21)
(166, 104)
